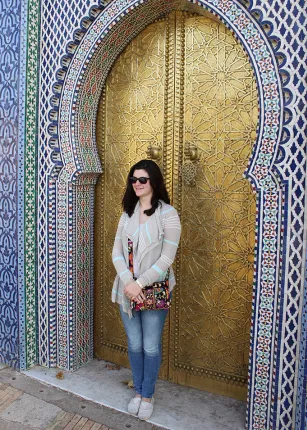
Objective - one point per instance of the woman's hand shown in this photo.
(134, 292)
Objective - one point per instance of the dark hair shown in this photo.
(130, 199)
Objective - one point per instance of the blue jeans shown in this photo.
(144, 334)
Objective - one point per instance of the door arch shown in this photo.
(183, 92)
(74, 191)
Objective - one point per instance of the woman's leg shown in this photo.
(133, 328)
(152, 325)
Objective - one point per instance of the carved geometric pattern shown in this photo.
(134, 120)
(217, 243)
(131, 108)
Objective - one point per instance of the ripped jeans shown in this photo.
(144, 334)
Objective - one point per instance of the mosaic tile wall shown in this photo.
(277, 287)
(20, 178)
(59, 21)
(301, 401)
(288, 21)
(10, 210)
(28, 291)
(49, 311)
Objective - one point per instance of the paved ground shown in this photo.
(27, 404)
(177, 407)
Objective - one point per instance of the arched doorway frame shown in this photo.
(105, 39)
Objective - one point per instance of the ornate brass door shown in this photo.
(183, 92)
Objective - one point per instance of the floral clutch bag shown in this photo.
(157, 295)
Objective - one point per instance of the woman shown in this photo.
(153, 226)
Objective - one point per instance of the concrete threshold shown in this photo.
(176, 407)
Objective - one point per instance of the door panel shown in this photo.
(184, 87)
(211, 320)
(130, 119)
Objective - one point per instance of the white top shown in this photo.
(136, 257)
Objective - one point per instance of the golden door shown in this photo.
(183, 94)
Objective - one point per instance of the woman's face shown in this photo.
(142, 190)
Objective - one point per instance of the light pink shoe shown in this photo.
(146, 409)
(134, 405)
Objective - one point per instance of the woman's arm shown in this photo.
(118, 254)
(172, 230)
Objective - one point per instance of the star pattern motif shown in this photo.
(218, 213)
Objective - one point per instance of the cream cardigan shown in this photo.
(157, 245)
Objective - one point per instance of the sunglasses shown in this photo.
(142, 180)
